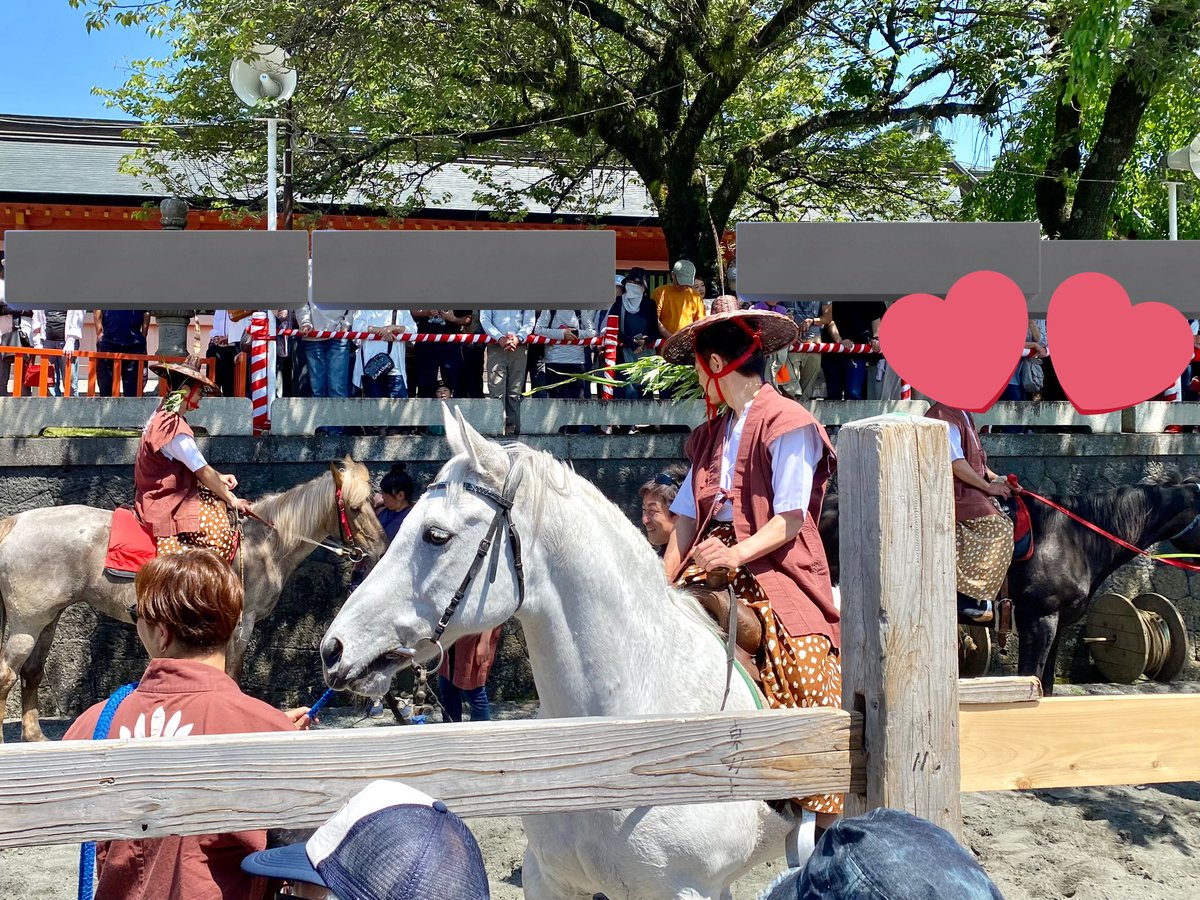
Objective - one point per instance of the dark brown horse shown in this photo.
(1051, 590)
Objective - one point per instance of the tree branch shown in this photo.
(776, 27)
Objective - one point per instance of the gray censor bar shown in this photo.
(460, 269)
(785, 261)
(156, 269)
(1161, 271)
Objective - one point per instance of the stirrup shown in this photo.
(802, 839)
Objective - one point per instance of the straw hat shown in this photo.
(190, 369)
(775, 330)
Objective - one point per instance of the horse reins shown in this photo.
(503, 515)
(348, 549)
(1191, 567)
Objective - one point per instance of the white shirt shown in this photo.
(956, 447)
(365, 319)
(182, 448)
(794, 458)
(72, 335)
(551, 324)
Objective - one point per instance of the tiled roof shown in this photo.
(82, 157)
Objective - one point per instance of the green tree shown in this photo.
(1116, 93)
(725, 109)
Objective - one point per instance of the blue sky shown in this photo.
(49, 65)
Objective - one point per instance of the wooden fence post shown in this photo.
(899, 633)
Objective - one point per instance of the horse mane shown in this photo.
(1125, 510)
(1170, 477)
(536, 476)
(309, 507)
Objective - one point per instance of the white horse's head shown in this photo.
(392, 619)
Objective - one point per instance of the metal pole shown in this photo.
(272, 175)
(1172, 208)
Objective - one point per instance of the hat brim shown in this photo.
(290, 863)
(776, 330)
(194, 375)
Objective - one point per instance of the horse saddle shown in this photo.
(1015, 509)
(130, 544)
(717, 604)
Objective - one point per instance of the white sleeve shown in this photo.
(182, 448)
(684, 503)
(39, 328)
(794, 458)
(956, 448)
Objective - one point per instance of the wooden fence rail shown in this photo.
(76, 791)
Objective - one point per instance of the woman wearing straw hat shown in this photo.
(749, 507)
(179, 497)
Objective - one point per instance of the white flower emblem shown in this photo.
(159, 726)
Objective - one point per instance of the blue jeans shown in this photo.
(328, 367)
(845, 377)
(390, 386)
(452, 698)
(630, 391)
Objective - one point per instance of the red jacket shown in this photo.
(177, 698)
(969, 502)
(166, 492)
(795, 577)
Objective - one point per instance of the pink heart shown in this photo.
(1109, 354)
(962, 350)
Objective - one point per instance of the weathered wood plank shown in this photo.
(98, 790)
(898, 621)
(1081, 741)
(1017, 689)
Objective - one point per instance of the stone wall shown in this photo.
(91, 657)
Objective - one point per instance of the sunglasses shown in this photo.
(133, 613)
(666, 480)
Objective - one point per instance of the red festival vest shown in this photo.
(794, 577)
(969, 502)
(166, 492)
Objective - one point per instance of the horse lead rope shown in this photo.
(1191, 567)
(87, 851)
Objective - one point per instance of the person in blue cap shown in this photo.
(886, 854)
(389, 842)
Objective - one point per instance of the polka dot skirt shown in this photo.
(216, 531)
(797, 671)
(984, 550)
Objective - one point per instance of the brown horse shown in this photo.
(53, 557)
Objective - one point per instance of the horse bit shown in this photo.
(503, 514)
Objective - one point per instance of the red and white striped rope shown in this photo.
(598, 341)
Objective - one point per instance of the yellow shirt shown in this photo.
(678, 306)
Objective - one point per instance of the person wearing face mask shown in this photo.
(638, 316)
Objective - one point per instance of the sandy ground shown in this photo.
(1089, 843)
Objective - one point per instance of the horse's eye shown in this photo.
(436, 536)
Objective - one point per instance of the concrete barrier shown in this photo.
(1048, 413)
(1153, 418)
(292, 416)
(28, 416)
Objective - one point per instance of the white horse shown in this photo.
(607, 636)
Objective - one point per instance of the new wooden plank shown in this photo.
(1081, 741)
(898, 625)
(97, 790)
(1017, 689)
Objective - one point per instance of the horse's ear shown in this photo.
(486, 457)
(336, 468)
(454, 435)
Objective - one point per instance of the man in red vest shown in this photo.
(750, 504)
(983, 533)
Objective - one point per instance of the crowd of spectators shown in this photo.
(305, 365)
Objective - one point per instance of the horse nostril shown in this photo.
(331, 652)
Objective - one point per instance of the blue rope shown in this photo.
(316, 707)
(87, 852)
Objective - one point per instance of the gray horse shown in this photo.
(53, 557)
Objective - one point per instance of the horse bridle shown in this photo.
(503, 515)
(1194, 523)
(349, 549)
